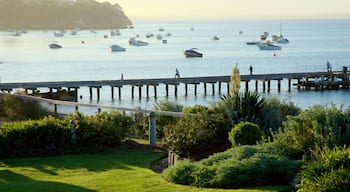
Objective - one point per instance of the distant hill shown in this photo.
(61, 14)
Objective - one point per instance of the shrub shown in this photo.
(16, 109)
(329, 172)
(180, 173)
(237, 167)
(245, 133)
(163, 121)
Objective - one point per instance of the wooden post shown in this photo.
(119, 92)
(268, 86)
(279, 85)
(195, 89)
(55, 108)
(155, 91)
(213, 88)
(112, 92)
(205, 88)
(246, 85)
(90, 90)
(140, 91)
(167, 90)
(175, 90)
(289, 84)
(98, 93)
(186, 89)
(228, 88)
(132, 92)
(264, 85)
(152, 129)
(147, 91)
(219, 88)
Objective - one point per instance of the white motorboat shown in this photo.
(55, 45)
(58, 34)
(192, 53)
(116, 48)
(135, 42)
(268, 46)
(73, 32)
(252, 42)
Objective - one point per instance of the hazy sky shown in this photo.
(234, 9)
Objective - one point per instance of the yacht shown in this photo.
(192, 53)
(268, 46)
(135, 42)
(55, 45)
(116, 48)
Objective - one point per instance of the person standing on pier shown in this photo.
(121, 76)
(329, 68)
(177, 73)
(251, 69)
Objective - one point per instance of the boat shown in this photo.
(58, 34)
(135, 42)
(55, 45)
(240, 32)
(73, 32)
(159, 37)
(192, 53)
(149, 35)
(252, 42)
(282, 40)
(16, 34)
(268, 46)
(215, 38)
(116, 48)
(161, 29)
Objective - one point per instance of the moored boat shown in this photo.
(268, 46)
(116, 48)
(55, 45)
(192, 53)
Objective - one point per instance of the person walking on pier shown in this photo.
(251, 69)
(329, 68)
(121, 76)
(177, 73)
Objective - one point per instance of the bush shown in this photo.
(329, 172)
(237, 167)
(16, 109)
(188, 136)
(163, 121)
(181, 173)
(245, 133)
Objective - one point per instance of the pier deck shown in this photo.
(304, 80)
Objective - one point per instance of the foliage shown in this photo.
(51, 135)
(329, 172)
(245, 133)
(102, 130)
(275, 112)
(188, 136)
(317, 126)
(235, 81)
(16, 109)
(181, 173)
(243, 107)
(31, 137)
(237, 167)
(162, 121)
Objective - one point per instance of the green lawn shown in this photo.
(124, 171)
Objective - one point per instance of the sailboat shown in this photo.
(279, 38)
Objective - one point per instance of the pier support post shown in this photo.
(256, 85)
(205, 88)
(98, 93)
(213, 88)
(228, 88)
(167, 89)
(147, 91)
(186, 89)
(279, 85)
(119, 92)
(264, 86)
(268, 86)
(289, 84)
(152, 129)
(140, 91)
(132, 92)
(219, 89)
(175, 90)
(112, 92)
(195, 89)
(90, 91)
(246, 86)
(155, 91)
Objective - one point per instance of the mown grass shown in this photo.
(124, 170)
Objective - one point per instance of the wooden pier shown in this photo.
(307, 80)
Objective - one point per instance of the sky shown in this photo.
(234, 9)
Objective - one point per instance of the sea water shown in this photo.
(86, 56)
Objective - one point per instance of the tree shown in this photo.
(235, 81)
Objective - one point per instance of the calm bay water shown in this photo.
(312, 42)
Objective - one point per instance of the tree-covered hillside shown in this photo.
(61, 14)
